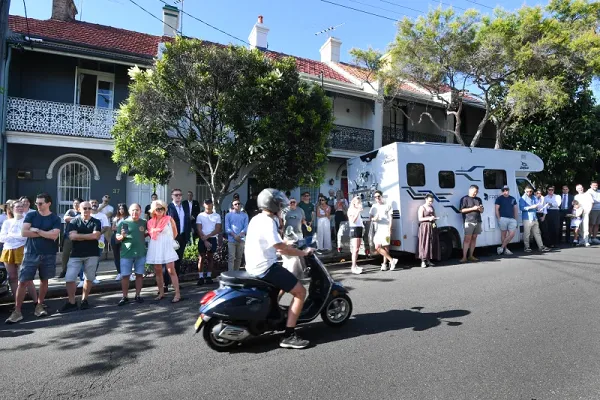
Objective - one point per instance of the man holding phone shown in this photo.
(529, 205)
(131, 234)
(471, 208)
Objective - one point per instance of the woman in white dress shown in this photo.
(161, 250)
(323, 226)
(356, 231)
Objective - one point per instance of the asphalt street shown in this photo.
(521, 327)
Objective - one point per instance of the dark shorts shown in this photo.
(46, 264)
(280, 277)
(202, 247)
(356, 232)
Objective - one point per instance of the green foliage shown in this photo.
(228, 112)
(568, 142)
(191, 251)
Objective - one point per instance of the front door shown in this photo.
(141, 194)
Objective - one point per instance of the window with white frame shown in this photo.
(74, 180)
(94, 88)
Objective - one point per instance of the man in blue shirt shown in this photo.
(529, 204)
(236, 226)
(507, 213)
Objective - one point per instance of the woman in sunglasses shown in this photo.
(356, 231)
(323, 225)
(161, 250)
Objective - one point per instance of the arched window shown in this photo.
(74, 180)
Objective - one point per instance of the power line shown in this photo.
(398, 5)
(207, 24)
(152, 15)
(358, 10)
(379, 8)
(479, 4)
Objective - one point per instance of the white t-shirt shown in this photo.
(108, 209)
(585, 201)
(382, 211)
(358, 222)
(209, 222)
(103, 222)
(261, 238)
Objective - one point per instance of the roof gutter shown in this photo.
(337, 86)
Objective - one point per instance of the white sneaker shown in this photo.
(80, 284)
(384, 267)
(393, 264)
(575, 242)
(587, 244)
(500, 250)
(356, 270)
(118, 278)
(424, 264)
(96, 281)
(508, 252)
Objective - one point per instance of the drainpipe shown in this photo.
(4, 84)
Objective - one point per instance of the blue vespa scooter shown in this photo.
(245, 306)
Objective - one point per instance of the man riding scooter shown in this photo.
(262, 244)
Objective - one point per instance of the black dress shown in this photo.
(429, 245)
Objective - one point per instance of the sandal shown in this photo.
(159, 297)
(176, 300)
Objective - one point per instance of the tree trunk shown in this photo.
(481, 127)
(458, 124)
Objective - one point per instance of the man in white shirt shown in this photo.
(106, 228)
(585, 201)
(595, 212)
(262, 244)
(553, 217)
(208, 224)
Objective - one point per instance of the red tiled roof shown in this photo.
(363, 75)
(122, 40)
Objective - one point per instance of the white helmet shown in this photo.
(272, 200)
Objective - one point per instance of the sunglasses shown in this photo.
(40, 204)
(177, 194)
(86, 208)
(292, 202)
(160, 209)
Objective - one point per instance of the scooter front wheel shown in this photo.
(337, 311)
(214, 342)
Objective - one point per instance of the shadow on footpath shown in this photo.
(361, 325)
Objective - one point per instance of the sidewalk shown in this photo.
(107, 274)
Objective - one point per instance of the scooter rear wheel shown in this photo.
(216, 343)
(337, 311)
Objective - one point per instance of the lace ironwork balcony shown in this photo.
(349, 138)
(392, 135)
(39, 116)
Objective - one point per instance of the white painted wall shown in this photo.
(354, 113)
(182, 179)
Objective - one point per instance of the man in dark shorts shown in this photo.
(471, 208)
(41, 228)
(209, 225)
(262, 244)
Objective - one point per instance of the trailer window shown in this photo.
(415, 174)
(446, 179)
(494, 178)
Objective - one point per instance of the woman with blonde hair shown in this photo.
(14, 246)
(161, 249)
(356, 231)
(323, 212)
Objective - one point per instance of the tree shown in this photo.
(514, 64)
(568, 142)
(228, 112)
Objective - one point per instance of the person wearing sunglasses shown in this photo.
(356, 231)
(529, 205)
(381, 217)
(236, 226)
(131, 233)
(42, 229)
(84, 231)
(507, 213)
(161, 250)
(323, 225)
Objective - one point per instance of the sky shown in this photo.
(292, 23)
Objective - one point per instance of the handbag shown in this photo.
(175, 244)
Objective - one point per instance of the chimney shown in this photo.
(64, 10)
(170, 21)
(258, 36)
(330, 51)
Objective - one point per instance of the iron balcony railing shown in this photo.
(354, 139)
(392, 135)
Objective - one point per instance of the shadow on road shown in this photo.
(361, 325)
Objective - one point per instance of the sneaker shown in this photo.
(587, 244)
(118, 277)
(84, 305)
(527, 250)
(508, 252)
(123, 301)
(545, 249)
(393, 264)
(40, 310)
(384, 267)
(138, 299)
(356, 270)
(430, 264)
(424, 264)
(80, 284)
(200, 282)
(209, 280)
(62, 275)
(575, 242)
(68, 307)
(294, 342)
(500, 250)
(15, 317)
(95, 281)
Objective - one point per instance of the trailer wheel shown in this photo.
(446, 246)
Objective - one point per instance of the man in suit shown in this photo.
(181, 217)
(193, 208)
(566, 207)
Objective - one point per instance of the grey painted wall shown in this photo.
(37, 159)
(51, 77)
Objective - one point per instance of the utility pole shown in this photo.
(4, 60)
